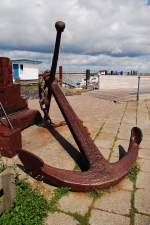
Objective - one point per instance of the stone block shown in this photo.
(75, 202)
(59, 218)
(142, 220)
(104, 218)
(115, 202)
(142, 201)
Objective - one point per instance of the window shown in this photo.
(21, 66)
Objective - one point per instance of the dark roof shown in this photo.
(26, 61)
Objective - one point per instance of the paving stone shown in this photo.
(75, 202)
(143, 122)
(124, 133)
(145, 137)
(117, 202)
(53, 153)
(146, 131)
(41, 142)
(110, 130)
(119, 144)
(144, 165)
(142, 200)
(142, 220)
(59, 219)
(144, 153)
(130, 117)
(145, 144)
(104, 218)
(143, 180)
(105, 151)
(104, 141)
(124, 184)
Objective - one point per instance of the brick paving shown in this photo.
(109, 124)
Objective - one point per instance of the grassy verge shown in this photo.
(2, 167)
(133, 177)
(29, 207)
(57, 195)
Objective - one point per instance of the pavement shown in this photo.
(109, 122)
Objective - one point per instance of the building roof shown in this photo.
(28, 61)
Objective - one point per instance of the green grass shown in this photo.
(82, 219)
(76, 167)
(132, 175)
(133, 210)
(113, 144)
(2, 167)
(57, 195)
(99, 131)
(29, 207)
(98, 193)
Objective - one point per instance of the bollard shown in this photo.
(138, 89)
(98, 81)
(87, 77)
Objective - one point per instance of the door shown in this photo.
(15, 71)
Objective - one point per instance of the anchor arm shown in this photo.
(91, 179)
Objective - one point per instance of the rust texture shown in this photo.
(13, 111)
(100, 173)
(10, 141)
(10, 95)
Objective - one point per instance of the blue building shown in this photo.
(25, 69)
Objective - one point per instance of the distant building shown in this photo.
(103, 72)
(25, 69)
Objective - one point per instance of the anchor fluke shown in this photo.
(136, 133)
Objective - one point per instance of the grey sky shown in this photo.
(99, 34)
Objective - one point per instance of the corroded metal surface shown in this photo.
(14, 113)
(45, 91)
(10, 95)
(100, 173)
(10, 141)
(24, 118)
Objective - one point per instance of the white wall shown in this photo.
(115, 82)
(30, 71)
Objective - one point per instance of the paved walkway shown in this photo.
(109, 123)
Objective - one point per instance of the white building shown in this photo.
(25, 69)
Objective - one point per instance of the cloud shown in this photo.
(96, 31)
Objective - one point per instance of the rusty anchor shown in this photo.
(100, 173)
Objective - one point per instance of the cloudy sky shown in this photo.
(110, 34)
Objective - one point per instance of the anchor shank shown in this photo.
(79, 132)
(60, 26)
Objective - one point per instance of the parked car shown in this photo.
(81, 83)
